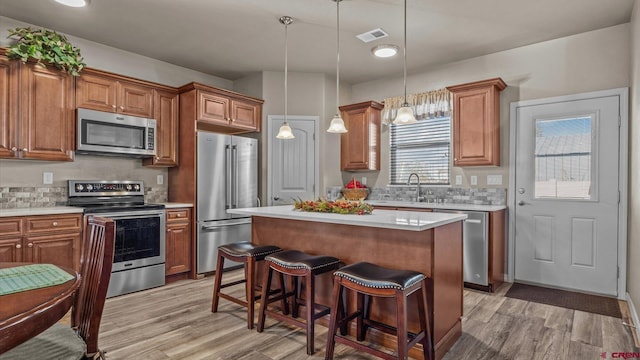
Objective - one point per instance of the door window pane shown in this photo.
(563, 161)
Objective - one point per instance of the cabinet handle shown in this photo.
(121, 107)
(18, 246)
(113, 106)
(30, 245)
(178, 215)
(55, 223)
(25, 150)
(14, 149)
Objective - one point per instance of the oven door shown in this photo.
(140, 238)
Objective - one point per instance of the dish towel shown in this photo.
(29, 277)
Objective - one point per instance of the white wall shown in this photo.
(633, 255)
(29, 173)
(585, 62)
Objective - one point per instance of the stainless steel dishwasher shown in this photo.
(475, 246)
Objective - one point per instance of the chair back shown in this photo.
(95, 272)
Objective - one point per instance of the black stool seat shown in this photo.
(294, 259)
(247, 249)
(374, 276)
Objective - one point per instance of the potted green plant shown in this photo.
(46, 47)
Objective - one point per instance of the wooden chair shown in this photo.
(80, 341)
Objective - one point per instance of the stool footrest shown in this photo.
(359, 346)
(233, 283)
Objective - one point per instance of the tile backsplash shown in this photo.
(39, 197)
(476, 196)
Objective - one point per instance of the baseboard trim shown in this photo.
(634, 317)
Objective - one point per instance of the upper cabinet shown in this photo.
(220, 110)
(476, 123)
(37, 112)
(166, 113)
(103, 91)
(360, 146)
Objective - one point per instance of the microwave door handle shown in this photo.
(227, 183)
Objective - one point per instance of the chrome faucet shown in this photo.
(418, 197)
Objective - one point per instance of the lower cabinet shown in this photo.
(50, 239)
(178, 241)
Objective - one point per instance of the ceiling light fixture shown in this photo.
(385, 51)
(74, 3)
(337, 124)
(285, 132)
(405, 113)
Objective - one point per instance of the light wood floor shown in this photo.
(175, 322)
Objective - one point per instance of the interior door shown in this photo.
(567, 194)
(293, 169)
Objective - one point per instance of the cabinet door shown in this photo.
(360, 147)
(166, 114)
(96, 92)
(136, 100)
(8, 107)
(245, 115)
(59, 249)
(47, 113)
(11, 249)
(213, 108)
(178, 242)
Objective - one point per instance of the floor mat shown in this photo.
(566, 299)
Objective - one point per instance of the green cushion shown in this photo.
(59, 342)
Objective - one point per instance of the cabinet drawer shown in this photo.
(10, 227)
(180, 214)
(42, 224)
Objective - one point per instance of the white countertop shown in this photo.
(174, 205)
(389, 219)
(443, 206)
(41, 211)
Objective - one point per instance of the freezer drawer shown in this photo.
(212, 234)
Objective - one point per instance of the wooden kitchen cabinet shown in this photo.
(220, 110)
(360, 146)
(99, 90)
(166, 113)
(178, 242)
(476, 123)
(52, 239)
(37, 116)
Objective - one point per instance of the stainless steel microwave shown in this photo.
(105, 133)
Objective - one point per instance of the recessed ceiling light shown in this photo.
(385, 51)
(74, 3)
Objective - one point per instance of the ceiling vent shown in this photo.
(371, 35)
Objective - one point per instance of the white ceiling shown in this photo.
(231, 38)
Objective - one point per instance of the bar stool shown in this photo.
(249, 255)
(372, 280)
(298, 265)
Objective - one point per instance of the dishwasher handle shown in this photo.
(473, 221)
(225, 224)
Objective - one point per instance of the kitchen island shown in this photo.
(430, 243)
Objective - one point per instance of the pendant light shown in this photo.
(405, 113)
(337, 124)
(285, 132)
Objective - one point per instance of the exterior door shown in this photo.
(566, 193)
(293, 169)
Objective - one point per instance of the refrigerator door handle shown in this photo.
(234, 152)
(227, 185)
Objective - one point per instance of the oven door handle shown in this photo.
(120, 216)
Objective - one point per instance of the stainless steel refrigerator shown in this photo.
(227, 178)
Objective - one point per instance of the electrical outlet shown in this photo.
(364, 180)
(47, 178)
(474, 180)
(494, 179)
(160, 179)
(458, 179)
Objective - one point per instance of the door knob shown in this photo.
(276, 198)
(520, 202)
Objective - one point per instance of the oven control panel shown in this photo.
(105, 188)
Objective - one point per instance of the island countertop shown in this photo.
(388, 219)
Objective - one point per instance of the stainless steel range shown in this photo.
(139, 254)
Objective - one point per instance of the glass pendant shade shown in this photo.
(405, 116)
(337, 125)
(285, 132)
(74, 3)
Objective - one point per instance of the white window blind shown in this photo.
(421, 148)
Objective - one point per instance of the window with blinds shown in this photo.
(422, 148)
